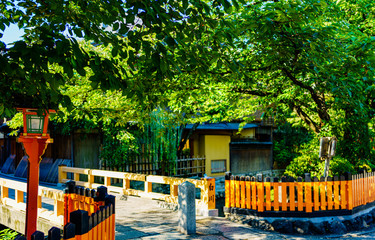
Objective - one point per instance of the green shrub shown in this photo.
(8, 234)
(339, 165)
(366, 165)
(306, 163)
(309, 162)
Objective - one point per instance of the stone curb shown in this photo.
(338, 225)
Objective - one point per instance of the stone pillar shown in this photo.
(186, 208)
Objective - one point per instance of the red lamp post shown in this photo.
(35, 140)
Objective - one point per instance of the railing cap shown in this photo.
(70, 185)
(88, 192)
(69, 231)
(307, 177)
(54, 233)
(80, 219)
(101, 193)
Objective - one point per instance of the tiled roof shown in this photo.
(221, 126)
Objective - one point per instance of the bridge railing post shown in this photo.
(148, 186)
(19, 196)
(58, 208)
(91, 178)
(62, 174)
(4, 192)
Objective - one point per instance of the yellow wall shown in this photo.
(245, 133)
(215, 147)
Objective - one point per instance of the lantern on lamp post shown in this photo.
(327, 151)
(35, 140)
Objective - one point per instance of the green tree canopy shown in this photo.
(149, 37)
(313, 59)
(204, 60)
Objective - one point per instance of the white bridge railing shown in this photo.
(205, 205)
(13, 200)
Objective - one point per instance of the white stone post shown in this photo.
(186, 208)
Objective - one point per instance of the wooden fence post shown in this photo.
(349, 179)
(343, 193)
(248, 192)
(371, 182)
(323, 193)
(110, 201)
(227, 189)
(300, 194)
(107, 222)
(243, 192)
(99, 215)
(69, 200)
(69, 232)
(365, 187)
(94, 227)
(267, 186)
(54, 233)
(276, 194)
(93, 207)
(37, 236)
(80, 219)
(253, 194)
(370, 187)
(237, 190)
(284, 195)
(316, 194)
(329, 193)
(336, 199)
(308, 202)
(102, 223)
(232, 192)
(260, 186)
(292, 194)
(91, 227)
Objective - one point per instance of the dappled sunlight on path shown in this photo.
(140, 218)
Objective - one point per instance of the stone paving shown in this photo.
(139, 218)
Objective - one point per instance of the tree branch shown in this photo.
(251, 92)
(246, 69)
(313, 125)
(321, 106)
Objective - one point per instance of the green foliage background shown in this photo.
(113, 62)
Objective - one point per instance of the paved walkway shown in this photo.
(139, 218)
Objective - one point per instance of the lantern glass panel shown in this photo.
(34, 124)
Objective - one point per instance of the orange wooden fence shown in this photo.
(310, 195)
(88, 214)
